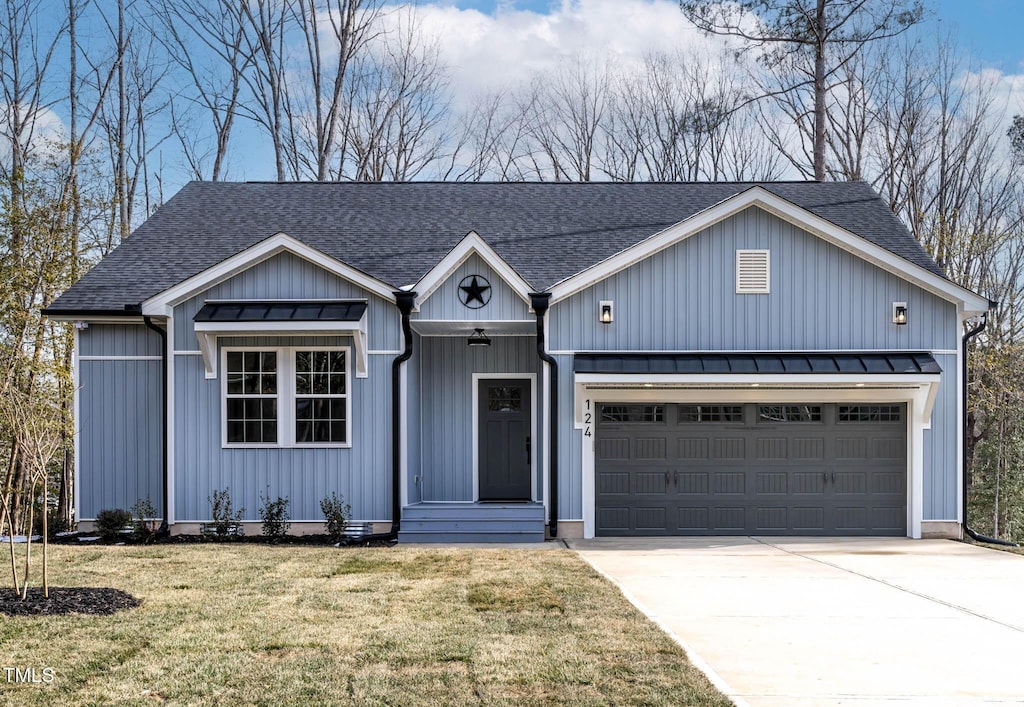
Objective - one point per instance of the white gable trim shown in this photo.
(162, 304)
(966, 300)
(469, 245)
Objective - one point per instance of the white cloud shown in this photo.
(486, 52)
(47, 130)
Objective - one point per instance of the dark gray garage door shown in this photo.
(682, 469)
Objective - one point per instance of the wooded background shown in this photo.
(108, 106)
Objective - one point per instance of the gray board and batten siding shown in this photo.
(684, 299)
(119, 436)
(822, 298)
(444, 302)
(446, 367)
(304, 475)
(287, 276)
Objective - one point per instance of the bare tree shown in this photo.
(266, 24)
(214, 74)
(564, 114)
(488, 141)
(832, 32)
(36, 424)
(349, 26)
(397, 125)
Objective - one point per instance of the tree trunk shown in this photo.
(820, 91)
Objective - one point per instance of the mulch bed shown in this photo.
(318, 540)
(66, 600)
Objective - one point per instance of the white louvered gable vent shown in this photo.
(752, 272)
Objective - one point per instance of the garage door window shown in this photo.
(710, 413)
(869, 413)
(632, 413)
(789, 413)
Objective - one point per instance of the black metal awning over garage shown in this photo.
(875, 363)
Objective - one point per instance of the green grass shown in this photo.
(252, 624)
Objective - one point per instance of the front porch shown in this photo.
(454, 522)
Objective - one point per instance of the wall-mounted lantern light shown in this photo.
(478, 338)
(605, 313)
(899, 313)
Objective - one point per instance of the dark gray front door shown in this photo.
(751, 469)
(504, 448)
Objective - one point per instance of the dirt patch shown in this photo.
(66, 600)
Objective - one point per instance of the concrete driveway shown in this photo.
(808, 621)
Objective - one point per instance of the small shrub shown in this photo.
(57, 523)
(337, 514)
(144, 512)
(110, 522)
(275, 516)
(222, 512)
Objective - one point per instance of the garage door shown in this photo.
(769, 469)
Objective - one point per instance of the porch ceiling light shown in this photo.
(899, 313)
(478, 338)
(605, 314)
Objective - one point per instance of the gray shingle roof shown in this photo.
(396, 232)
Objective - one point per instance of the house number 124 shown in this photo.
(588, 418)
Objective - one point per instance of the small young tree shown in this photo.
(275, 516)
(35, 422)
(336, 516)
(222, 511)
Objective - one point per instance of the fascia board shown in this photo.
(469, 245)
(970, 302)
(160, 304)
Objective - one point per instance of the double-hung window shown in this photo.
(250, 405)
(286, 397)
(321, 397)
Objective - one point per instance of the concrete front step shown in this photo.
(473, 513)
(487, 525)
(418, 536)
(473, 523)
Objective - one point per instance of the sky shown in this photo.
(489, 44)
(990, 29)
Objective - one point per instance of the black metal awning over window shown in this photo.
(320, 311)
(281, 318)
(896, 362)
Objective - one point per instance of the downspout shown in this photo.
(540, 302)
(164, 529)
(967, 529)
(404, 301)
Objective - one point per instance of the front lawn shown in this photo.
(252, 624)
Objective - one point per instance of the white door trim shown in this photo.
(477, 377)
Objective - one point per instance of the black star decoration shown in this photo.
(477, 289)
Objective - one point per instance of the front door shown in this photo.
(504, 446)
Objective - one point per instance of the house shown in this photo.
(501, 361)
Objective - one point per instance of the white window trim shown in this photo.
(286, 398)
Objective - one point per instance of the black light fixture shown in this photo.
(605, 314)
(899, 313)
(478, 338)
